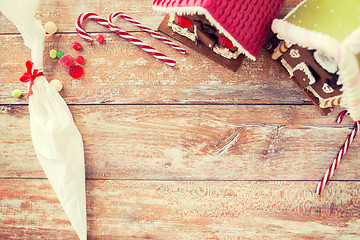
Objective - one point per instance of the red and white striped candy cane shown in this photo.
(146, 29)
(92, 16)
(137, 42)
(330, 172)
(341, 116)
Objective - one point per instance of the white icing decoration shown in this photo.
(203, 11)
(322, 101)
(182, 31)
(294, 53)
(226, 53)
(327, 89)
(302, 67)
(287, 67)
(171, 17)
(325, 61)
(344, 53)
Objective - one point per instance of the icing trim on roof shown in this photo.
(203, 11)
(342, 52)
(294, 9)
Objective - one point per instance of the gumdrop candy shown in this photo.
(76, 46)
(79, 59)
(183, 22)
(225, 42)
(59, 54)
(66, 60)
(53, 53)
(100, 39)
(76, 71)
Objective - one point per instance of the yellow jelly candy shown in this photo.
(53, 53)
(16, 93)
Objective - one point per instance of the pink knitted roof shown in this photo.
(245, 22)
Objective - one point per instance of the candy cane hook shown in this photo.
(137, 42)
(146, 29)
(93, 16)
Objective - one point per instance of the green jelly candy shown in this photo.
(16, 93)
(59, 55)
(53, 53)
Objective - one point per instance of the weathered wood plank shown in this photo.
(185, 210)
(191, 142)
(114, 72)
(65, 13)
(119, 72)
(156, 149)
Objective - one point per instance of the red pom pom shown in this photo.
(225, 42)
(79, 59)
(76, 46)
(66, 60)
(100, 39)
(183, 22)
(76, 71)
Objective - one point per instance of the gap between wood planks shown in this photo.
(105, 103)
(344, 125)
(180, 180)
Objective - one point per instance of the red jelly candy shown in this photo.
(66, 60)
(183, 22)
(76, 46)
(100, 39)
(79, 59)
(76, 71)
(225, 42)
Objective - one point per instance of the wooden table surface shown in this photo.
(192, 152)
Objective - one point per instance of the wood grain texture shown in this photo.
(114, 72)
(119, 72)
(64, 13)
(185, 210)
(191, 142)
(192, 152)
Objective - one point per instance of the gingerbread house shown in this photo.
(318, 43)
(224, 31)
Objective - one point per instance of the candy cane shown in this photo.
(146, 29)
(341, 116)
(92, 16)
(123, 34)
(330, 172)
